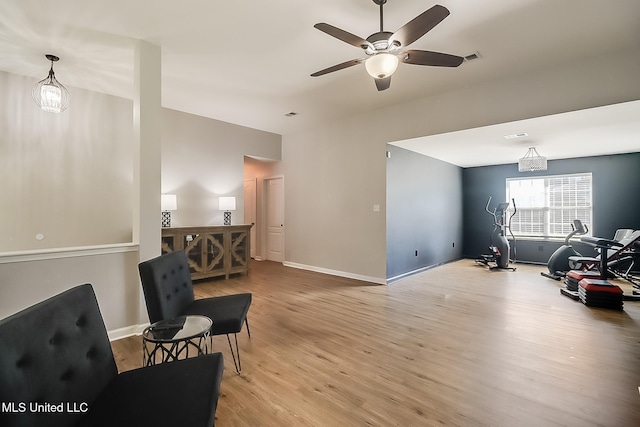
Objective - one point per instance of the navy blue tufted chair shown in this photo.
(168, 293)
(57, 369)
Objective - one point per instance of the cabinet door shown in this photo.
(168, 243)
(239, 249)
(193, 247)
(214, 253)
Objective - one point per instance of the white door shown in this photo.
(250, 212)
(275, 218)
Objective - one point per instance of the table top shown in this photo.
(178, 328)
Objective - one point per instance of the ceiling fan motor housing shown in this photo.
(380, 42)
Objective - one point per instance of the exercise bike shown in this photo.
(559, 262)
(498, 242)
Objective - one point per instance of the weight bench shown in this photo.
(619, 253)
(591, 287)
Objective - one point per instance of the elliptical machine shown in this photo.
(559, 263)
(498, 242)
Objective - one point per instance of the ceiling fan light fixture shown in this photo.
(49, 94)
(381, 65)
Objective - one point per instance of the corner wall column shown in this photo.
(147, 154)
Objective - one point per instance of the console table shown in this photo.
(218, 250)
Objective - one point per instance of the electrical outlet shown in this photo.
(376, 208)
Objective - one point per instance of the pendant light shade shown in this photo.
(532, 161)
(49, 94)
(381, 65)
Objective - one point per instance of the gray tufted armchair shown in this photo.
(57, 369)
(168, 293)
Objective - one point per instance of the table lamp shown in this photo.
(168, 202)
(227, 204)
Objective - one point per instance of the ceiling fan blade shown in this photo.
(346, 64)
(383, 84)
(434, 59)
(420, 25)
(343, 35)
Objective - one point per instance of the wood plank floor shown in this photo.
(456, 345)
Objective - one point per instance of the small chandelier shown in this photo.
(49, 94)
(532, 161)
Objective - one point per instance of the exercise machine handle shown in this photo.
(600, 242)
(486, 208)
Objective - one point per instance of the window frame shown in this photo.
(547, 224)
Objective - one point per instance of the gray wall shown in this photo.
(424, 212)
(616, 185)
(65, 176)
(203, 159)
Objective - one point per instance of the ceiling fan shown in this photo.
(383, 48)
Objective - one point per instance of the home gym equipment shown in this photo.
(559, 263)
(600, 293)
(621, 260)
(498, 242)
(591, 287)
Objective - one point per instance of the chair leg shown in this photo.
(246, 322)
(237, 364)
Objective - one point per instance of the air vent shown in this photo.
(516, 135)
(472, 56)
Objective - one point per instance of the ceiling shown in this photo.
(249, 62)
(612, 129)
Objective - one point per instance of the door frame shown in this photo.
(253, 214)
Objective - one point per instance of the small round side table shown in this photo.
(172, 339)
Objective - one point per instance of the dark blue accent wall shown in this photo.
(424, 212)
(437, 209)
(616, 200)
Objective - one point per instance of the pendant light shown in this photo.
(532, 161)
(49, 94)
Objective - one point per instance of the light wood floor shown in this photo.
(456, 345)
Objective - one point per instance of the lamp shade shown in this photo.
(169, 202)
(227, 203)
(532, 161)
(381, 65)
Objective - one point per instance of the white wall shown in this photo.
(335, 173)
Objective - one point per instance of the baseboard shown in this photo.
(338, 273)
(412, 272)
(420, 270)
(125, 332)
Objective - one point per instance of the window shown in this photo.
(548, 205)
